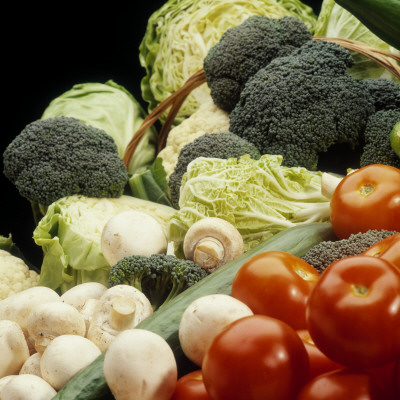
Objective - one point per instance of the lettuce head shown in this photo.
(70, 236)
(259, 197)
(179, 35)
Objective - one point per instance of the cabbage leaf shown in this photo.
(70, 236)
(259, 197)
(336, 22)
(180, 33)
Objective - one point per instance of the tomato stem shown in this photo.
(367, 189)
(360, 290)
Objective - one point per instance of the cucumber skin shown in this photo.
(90, 383)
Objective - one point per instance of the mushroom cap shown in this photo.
(27, 386)
(53, 319)
(132, 233)
(212, 242)
(203, 319)
(64, 357)
(140, 364)
(13, 348)
(78, 295)
(101, 331)
(32, 365)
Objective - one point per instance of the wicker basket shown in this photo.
(174, 101)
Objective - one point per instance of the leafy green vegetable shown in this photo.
(179, 35)
(70, 235)
(112, 108)
(259, 197)
(335, 21)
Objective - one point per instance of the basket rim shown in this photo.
(176, 99)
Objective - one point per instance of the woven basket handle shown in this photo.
(176, 99)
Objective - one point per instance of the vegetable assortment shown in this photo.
(240, 261)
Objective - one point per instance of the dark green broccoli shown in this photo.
(62, 156)
(244, 49)
(377, 148)
(160, 277)
(325, 253)
(222, 145)
(384, 92)
(300, 105)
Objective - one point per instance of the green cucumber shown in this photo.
(165, 321)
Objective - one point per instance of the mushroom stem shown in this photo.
(122, 313)
(209, 252)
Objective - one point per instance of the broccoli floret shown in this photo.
(244, 49)
(161, 277)
(58, 157)
(300, 105)
(325, 253)
(384, 92)
(377, 148)
(222, 145)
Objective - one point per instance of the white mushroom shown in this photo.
(13, 348)
(203, 319)
(27, 386)
(84, 298)
(121, 307)
(66, 356)
(53, 319)
(140, 364)
(132, 233)
(32, 365)
(212, 242)
(18, 306)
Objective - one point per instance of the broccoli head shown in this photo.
(377, 148)
(299, 105)
(222, 145)
(62, 156)
(326, 252)
(160, 277)
(244, 49)
(385, 93)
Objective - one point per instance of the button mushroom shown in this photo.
(212, 242)
(53, 319)
(132, 233)
(140, 364)
(203, 319)
(27, 386)
(32, 365)
(18, 306)
(66, 356)
(121, 307)
(84, 298)
(14, 348)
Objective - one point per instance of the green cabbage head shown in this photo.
(110, 107)
(179, 35)
(70, 236)
(336, 22)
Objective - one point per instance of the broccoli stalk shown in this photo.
(160, 277)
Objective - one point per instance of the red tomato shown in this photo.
(353, 312)
(319, 362)
(368, 198)
(276, 284)
(254, 358)
(385, 377)
(191, 387)
(397, 379)
(388, 249)
(341, 385)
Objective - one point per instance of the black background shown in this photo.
(44, 53)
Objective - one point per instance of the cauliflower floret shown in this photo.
(207, 119)
(15, 275)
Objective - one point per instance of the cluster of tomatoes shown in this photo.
(314, 337)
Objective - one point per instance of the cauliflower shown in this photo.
(15, 275)
(207, 119)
